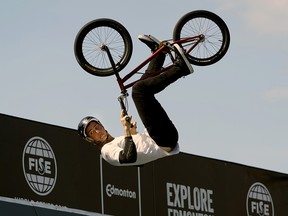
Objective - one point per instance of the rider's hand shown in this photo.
(125, 119)
(129, 127)
(133, 128)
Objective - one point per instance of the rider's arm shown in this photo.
(129, 153)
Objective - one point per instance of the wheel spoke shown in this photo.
(93, 43)
(213, 36)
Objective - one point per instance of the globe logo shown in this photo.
(259, 201)
(39, 166)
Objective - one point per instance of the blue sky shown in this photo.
(234, 110)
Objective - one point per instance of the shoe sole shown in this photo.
(181, 53)
(155, 39)
(149, 36)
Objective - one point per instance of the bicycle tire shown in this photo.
(89, 42)
(215, 31)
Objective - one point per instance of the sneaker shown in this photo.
(152, 42)
(182, 61)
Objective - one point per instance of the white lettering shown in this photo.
(47, 167)
(210, 201)
(260, 208)
(203, 199)
(181, 196)
(39, 165)
(196, 196)
(177, 200)
(169, 194)
(111, 190)
(31, 163)
(177, 212)
(190, 204)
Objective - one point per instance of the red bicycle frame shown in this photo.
(164, 46)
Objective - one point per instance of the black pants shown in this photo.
(154, 117)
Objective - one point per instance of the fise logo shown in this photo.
(259, 201)
(39, 166)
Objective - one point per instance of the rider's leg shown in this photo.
(156, 63)
(153, 43)
(152, 114)
(155, 119)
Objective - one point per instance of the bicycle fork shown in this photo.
(106, 49)
(123, 90)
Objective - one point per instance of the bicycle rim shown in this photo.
(215, 41)
(91, 40)
(93, 44)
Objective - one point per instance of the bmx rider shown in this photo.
(160, 137)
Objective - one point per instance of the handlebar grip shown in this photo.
(124, 110)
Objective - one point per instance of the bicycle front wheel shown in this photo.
(90, 42)
(215, 37)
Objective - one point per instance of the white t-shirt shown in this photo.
(147, 150)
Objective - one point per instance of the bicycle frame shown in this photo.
(166, 46)
(122, 81)
(92, 52)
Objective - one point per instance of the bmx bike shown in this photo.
(103, 47)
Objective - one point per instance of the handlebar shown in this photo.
(123, 107)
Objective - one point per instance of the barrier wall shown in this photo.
(49, 170)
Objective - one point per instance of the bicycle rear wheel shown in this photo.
(90, 42)
(215, 36)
